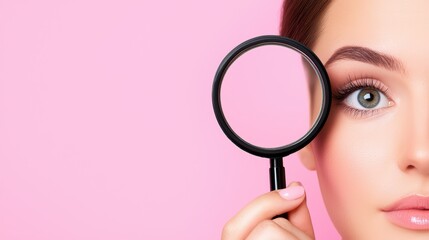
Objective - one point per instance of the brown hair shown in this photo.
(301, 20)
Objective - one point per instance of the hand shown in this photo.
(255, 221)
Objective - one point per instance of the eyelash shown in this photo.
(356, 83)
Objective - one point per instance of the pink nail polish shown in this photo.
(292, 192)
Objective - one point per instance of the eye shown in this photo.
(366, 99)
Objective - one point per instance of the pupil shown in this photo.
(369, 98)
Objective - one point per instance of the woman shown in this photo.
(372, 157)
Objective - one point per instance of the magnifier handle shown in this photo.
(277, 178)
(277, 174)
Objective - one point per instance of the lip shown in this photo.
(411, 212)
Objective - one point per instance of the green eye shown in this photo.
(368, 98)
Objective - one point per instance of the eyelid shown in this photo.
(359, 114)
(358, 82)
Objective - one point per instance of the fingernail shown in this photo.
(292, 192)
(298, 183)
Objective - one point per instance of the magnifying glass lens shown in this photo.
(271, 96)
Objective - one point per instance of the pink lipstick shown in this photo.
(410, 212)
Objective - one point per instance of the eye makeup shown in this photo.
(360, 83)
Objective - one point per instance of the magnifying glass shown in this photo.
(271, 97)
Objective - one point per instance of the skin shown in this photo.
(366, 160)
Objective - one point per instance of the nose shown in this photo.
(417, 160)
(416, 133)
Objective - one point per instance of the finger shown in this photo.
(268, 229)
(300, 217)
(263, 208)
(289, 227)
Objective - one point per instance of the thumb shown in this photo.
(300, 217)
(265, 207)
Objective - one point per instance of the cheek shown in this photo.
(353, 158)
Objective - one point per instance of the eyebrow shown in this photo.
(366, 55)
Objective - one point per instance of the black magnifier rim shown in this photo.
(326, 96)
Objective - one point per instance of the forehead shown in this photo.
(397, 27)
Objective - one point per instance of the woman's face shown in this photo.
(374, 150)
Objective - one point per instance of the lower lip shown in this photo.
(410, 218)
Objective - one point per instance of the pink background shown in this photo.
(106, 124)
